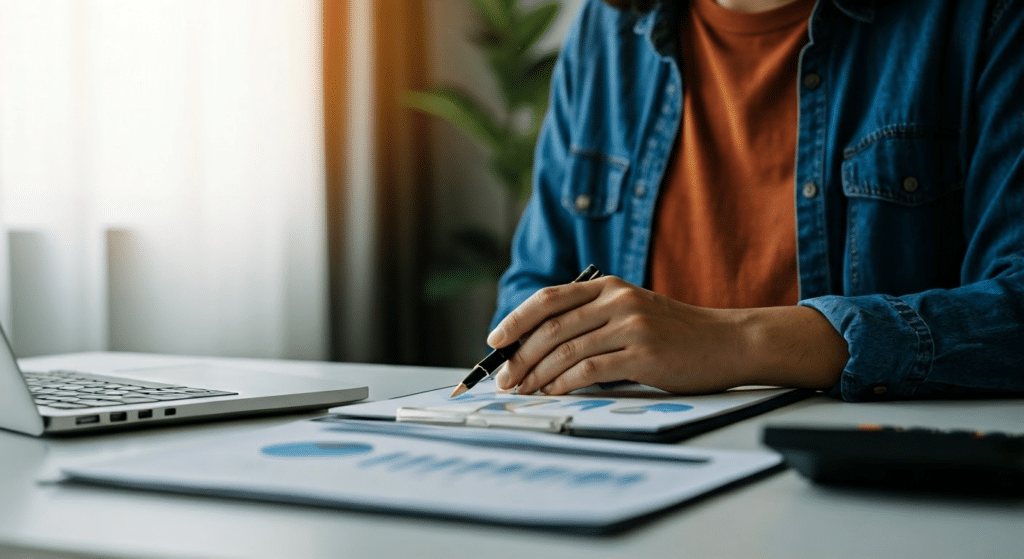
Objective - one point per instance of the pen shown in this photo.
(489, 364)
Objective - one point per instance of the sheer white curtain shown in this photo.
(161, 177)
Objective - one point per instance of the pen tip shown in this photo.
(458, 391)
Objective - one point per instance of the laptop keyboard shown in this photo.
(68, 390)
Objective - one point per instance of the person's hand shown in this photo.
(575, 335)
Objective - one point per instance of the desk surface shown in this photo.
(781, 516)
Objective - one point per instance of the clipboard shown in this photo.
(630, 412)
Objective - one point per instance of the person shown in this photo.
(824, 194)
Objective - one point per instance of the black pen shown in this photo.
(489, 364)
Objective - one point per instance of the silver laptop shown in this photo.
(68, 401)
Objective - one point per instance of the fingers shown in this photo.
(498, 389)
(562, 329)
(546, 302)
(578, 355)
(561, 335)
(599, 368)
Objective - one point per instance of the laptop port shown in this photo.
(87, 419)
(145, 414)
(119, 416)
(170, 411)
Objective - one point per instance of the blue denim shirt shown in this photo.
(909, 187)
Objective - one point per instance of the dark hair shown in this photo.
(638, 5)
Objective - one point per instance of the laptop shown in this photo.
(72, 401)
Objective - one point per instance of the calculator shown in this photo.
(961, 461)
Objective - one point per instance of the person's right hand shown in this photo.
(606, 329)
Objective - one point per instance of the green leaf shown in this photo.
(496, 13)
(486, 39)
(513, 164)
(532, 83)
(460, 110)
(533, 25)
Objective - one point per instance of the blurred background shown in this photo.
(307, 179)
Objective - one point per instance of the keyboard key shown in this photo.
(73, 390)
(97, 403)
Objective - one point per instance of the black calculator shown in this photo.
(910, 458)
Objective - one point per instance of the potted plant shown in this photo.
(507, 35)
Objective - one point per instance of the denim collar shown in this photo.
(861, 10)
(659, 24)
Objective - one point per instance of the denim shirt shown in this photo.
(909, 188)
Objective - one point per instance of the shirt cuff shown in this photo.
(891, 347)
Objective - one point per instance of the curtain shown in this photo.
(162, 177)
(378, 181)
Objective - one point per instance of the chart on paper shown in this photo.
(326, 464)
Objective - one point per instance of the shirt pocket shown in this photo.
(593, 183)
(909, 166)
(904, 194)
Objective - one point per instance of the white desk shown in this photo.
(781, 516)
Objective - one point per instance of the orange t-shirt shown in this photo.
(725, 227)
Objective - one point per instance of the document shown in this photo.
(632, 411)
(507, 477)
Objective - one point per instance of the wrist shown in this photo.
(791, 346)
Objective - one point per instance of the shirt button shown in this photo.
(582, 202)
(812, 80)
(810, 190)
(670, 89)
(640, 191)
(910, 184)
(880, 390)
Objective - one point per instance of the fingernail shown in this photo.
(501, 380)
(496, 337)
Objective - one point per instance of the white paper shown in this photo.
(325, 463)
(632, 408)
